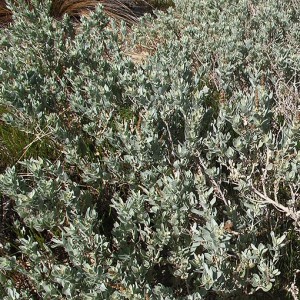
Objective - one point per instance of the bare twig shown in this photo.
(288, 211)
(170, 137)
(264, 178)
(216, 186)
(293, 289)
(38, 137)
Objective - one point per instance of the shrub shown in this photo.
(176, 177)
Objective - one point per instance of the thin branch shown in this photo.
(39, 137)
(170, 137)
(264, 178)
(266, 200)
(216, 186)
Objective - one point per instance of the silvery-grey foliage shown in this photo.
(175, 174)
